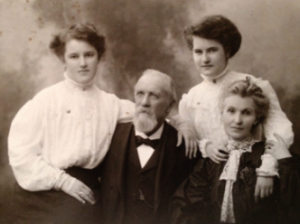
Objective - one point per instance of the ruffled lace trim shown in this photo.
(236, 149)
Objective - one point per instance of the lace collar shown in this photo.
(244, 145)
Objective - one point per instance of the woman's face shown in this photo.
(238, 116)
(81, 60)
(209, 56)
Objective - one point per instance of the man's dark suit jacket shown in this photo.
(173, 168)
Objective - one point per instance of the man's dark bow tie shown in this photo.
(152, 143)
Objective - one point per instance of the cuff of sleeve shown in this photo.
(202, 147)
(64, 180)
(269, 166)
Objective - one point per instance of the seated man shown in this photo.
(144, 166)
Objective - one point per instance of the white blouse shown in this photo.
(201, 106)
(64, 125)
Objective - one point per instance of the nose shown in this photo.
(82, 62)
(238, 118)
(205, 58)
(145, 101)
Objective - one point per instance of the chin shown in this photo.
(144, 122)
(208, 74)
(239, 137)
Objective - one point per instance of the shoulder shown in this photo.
(121, 132)
(121, 127)
(234, 76)
(193, 94)
(107, 96)
(170, 132)
(49, 92)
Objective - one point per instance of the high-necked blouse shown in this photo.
(64, 125)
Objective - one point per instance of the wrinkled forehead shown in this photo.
(153, 83)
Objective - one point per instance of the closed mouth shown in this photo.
(83, 71)
(206, 66)
(237, 128)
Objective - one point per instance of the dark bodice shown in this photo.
(199, 198)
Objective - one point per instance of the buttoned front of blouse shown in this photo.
(63, 126)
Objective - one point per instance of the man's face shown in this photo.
(152, 103)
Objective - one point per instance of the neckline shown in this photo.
(74, 84)
(215, 78)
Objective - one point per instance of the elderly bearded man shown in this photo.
(144, 167)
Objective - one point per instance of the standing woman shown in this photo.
(213, 42)
(58, 138)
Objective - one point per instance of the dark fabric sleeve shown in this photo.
(192, 195)
(289, 189)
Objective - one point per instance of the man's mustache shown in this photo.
(144, 111)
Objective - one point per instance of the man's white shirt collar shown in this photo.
(145, 151)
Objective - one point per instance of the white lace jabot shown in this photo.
(236, 149)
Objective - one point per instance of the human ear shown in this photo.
(172, 103)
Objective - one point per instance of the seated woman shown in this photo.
(224, 192)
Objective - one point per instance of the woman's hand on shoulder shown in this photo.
(190, 139)
(279, 149)
(216, 152)
(79, 191)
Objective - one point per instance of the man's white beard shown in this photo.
(144, 122)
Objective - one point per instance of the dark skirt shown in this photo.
(56, 207)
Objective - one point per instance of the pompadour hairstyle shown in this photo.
(79, 31)
(218, 28)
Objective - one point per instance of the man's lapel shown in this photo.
(125, 136)
(168, 155)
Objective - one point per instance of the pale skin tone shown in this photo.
(238, 117)
(211, 59)
(150, 97)
(81, 61)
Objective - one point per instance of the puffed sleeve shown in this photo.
(126, 111)
(277, 121)
(185, 120)
(25, 143)
(184, 109)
